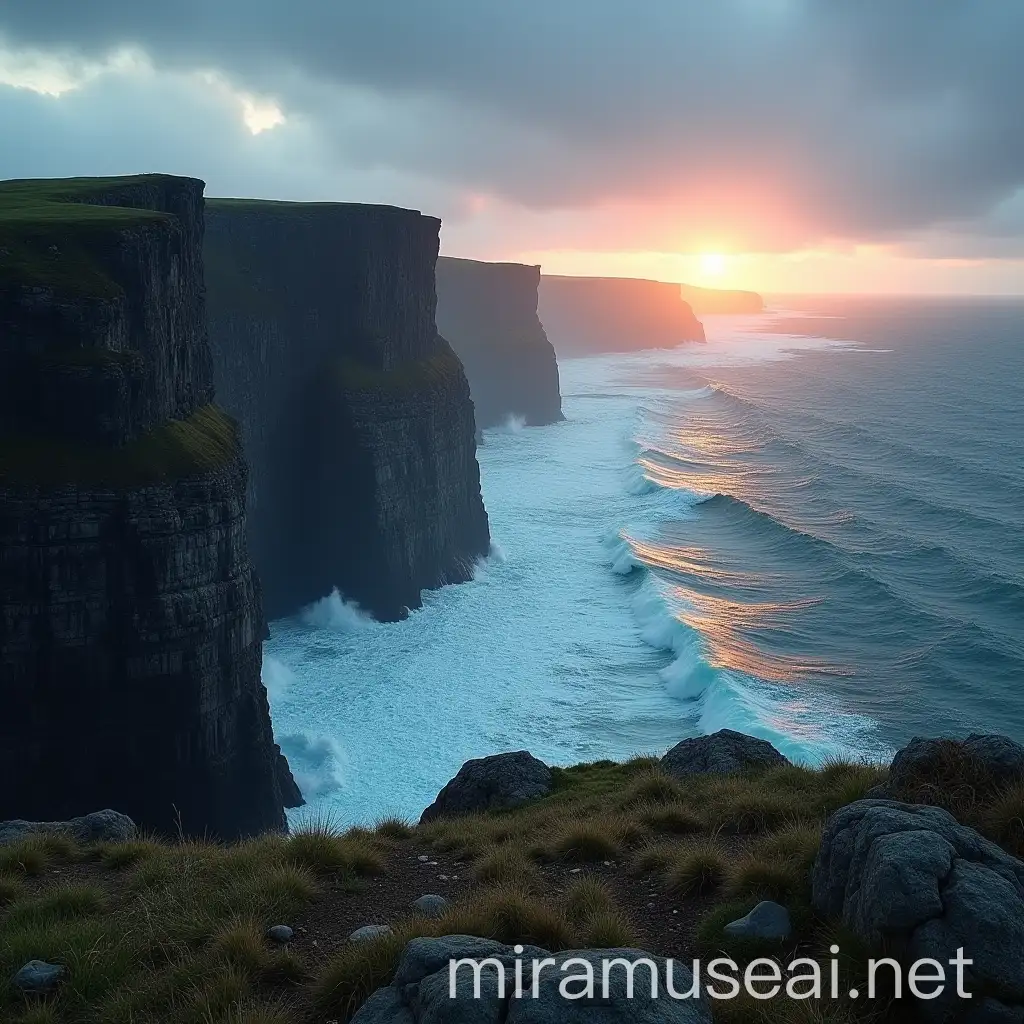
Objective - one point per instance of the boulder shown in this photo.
(108, 826)
(37, 976)
(990, 761)
(369, 931)
(420, 992)
(720, 753)
(280, 933)
(767, 920)
(431, 905)
(492, 783)
(914, 878)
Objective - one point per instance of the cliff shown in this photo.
(130, 615)
(584, 315)
(488, 312)
(721, 300)
(355, 414)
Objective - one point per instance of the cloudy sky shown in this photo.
(812, 145)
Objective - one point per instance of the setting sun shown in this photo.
(712, 263)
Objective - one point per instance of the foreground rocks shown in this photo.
(100, 826)
(913, 878)
(420, 991)
(989, 759)
(721, 753)
(38, 977)
(767, 920)
(492, 783)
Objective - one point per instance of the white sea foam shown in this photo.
(561, 643)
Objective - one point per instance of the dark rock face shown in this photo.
(584, 315)
(720, 753)
(492, 783)
(420, 991)
(488, 313)
(355, 413)
(914, 877)
(130, 616)
(106, 826)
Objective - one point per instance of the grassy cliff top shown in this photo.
(52, 229)
(290, 206)
(205, 441)
(617, 855)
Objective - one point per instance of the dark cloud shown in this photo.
(850, 118)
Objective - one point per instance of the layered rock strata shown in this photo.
(130, 615)
(355, 413)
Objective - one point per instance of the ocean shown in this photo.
(809, 529)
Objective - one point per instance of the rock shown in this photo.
(720, 753)
(100, 826)
(423, 858)
(584, 315)
(488, 314)
(130, 645)
(915, 878)
(492, 783)
(419, 993)
(431, 905)
(330, 332)
(767, 920)
(38, 976)
(291, 795)
(369, 931)
(995, 759)
(280, 933)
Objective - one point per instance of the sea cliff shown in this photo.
(488, 312)
(355, 414)
(721, 300)
(130, 615)
(613, 314)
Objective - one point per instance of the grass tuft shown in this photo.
(697, 868)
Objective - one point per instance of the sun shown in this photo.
(712, 264)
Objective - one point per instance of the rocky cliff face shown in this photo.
(610, 314)
(488, 312)
(721, 300)
(355, 413)
(130, 615)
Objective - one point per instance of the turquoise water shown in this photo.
(809, 529)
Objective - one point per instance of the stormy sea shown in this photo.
(808, 529)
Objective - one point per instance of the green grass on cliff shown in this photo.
(413, 375)
(206, 440)
(51, 232)
(152, 931)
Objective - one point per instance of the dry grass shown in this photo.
(697, 868)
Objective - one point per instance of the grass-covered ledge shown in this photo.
(53, 231)
(206, 440)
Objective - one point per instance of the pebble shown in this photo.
(423, 858)
(575, 871)
(39, 976)
(280, 933)
(443, 878)
(369, 931)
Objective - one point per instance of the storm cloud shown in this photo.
(803, 120)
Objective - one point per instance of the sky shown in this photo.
(781, 145)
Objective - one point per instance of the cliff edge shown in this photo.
(488, 312)
(355, 414)
(721, 300)
(130, 614)
(584, 315)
